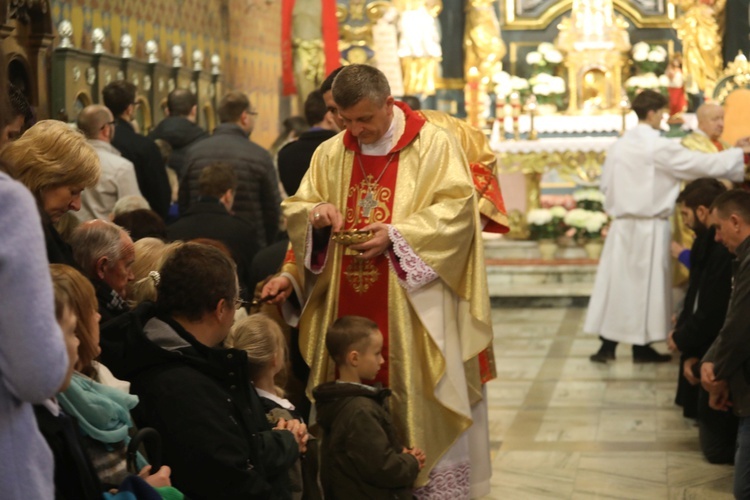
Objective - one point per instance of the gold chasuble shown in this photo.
(423, 189)
(482, 164)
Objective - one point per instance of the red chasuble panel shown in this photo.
(363, 284)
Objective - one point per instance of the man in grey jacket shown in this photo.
(726, 366)
(257, 198)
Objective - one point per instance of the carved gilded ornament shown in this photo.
(573, 166)
(355, 29)
(735, 76)
(483, 46)
(512, 19)
(699, 31)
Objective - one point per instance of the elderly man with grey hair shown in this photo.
(105, 253)
(118, 174)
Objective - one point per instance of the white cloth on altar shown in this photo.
(641, 179)
(555, 145)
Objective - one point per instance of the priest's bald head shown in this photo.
(364, 102)
(711, 120)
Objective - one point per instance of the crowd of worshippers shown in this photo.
(146, 251)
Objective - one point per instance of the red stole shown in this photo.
(363, 285)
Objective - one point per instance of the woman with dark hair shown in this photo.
(56, 164)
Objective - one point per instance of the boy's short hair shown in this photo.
(216, 179)
(346, 334)
(118, 95)
(648, 100)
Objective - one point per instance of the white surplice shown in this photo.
(641, 178)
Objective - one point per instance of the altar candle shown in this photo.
(472, 79)
(500, 107)
(515, 105)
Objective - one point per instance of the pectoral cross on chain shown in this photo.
(367, 203)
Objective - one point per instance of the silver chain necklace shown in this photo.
(368, 203)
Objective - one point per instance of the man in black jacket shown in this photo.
(294, 158)
(179, 128)
(726, 365)
(257, 199)
(702, 316)
(210, 218)
(214, 431)
(119, 96)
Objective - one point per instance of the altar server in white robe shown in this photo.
(641, 177)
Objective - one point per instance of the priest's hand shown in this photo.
(325, 215)
(279, 288)
(744, 143)
(375, 245)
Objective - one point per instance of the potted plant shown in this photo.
(545, 225)
(588, 228)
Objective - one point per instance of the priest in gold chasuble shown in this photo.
(421, 277)
(706, 139)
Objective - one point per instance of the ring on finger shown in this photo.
(316, 215)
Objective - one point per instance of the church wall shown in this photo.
(245, 34)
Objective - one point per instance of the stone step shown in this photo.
(515, 269)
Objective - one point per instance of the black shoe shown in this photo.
(602, 356)
(647, 354)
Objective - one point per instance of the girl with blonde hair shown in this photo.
(263, 341)
(150, 255)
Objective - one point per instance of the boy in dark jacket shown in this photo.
(361, 456)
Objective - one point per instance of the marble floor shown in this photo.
(563, 427)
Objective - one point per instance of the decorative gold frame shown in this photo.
(512, 22)
(450, 83)
(735, 76)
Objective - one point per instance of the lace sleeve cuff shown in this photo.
(316, 249)
(413, 273)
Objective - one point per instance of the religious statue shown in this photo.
(307, 47)
(419, 44)
(483, 47)
(676, 88)
(700, 33)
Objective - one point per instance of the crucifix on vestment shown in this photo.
(367, 204)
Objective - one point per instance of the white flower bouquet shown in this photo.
(545, 59)
(649, 58)
(586, 224)
(548, 89)
(546, 223)
(589, 199)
